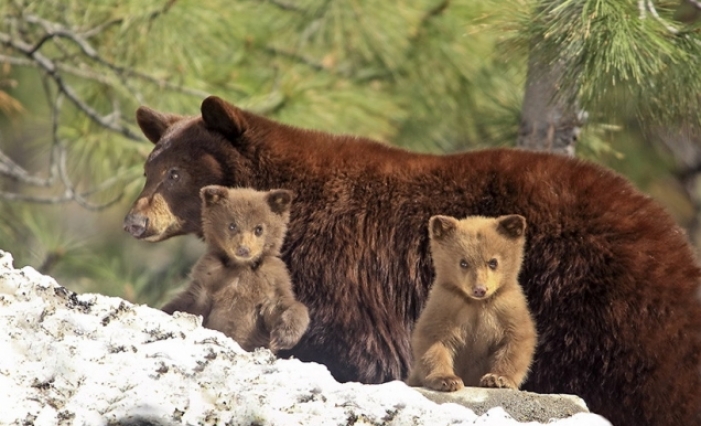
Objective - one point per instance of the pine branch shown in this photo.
(296, 57)
(54, 30)
(281, 5)
(50, 68)
(57, 167)
(653, 12)
(436, 10)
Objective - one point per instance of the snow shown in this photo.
(89, 359)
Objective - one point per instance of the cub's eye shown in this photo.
(173, 174)
(493, 264)
(258, 231)
(232, 227)
(463, 264)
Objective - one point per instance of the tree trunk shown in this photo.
(550, 118)
(684, 143)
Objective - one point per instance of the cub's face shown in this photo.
(244, 224)
(477, 254)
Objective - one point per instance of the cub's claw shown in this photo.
(496, 381)
(444, 383)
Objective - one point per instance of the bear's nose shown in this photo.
(479, 291)
(243, 251)
(135, 224)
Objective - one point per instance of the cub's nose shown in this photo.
(135, 224)
(479, 291)
(243, 251)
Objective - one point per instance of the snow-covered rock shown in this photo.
(68, 359)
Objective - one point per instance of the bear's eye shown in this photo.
(232, 227)
(493, 264)
(464, 264)
(258, 231)
(173, 174)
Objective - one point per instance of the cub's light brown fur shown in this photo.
(476, 329)
(240, 286)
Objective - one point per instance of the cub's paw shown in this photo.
(444, 383)
(290, 328)
(495, 381)
(283, 338)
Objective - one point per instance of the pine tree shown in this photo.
(429, 75)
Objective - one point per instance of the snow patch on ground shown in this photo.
(89, 359)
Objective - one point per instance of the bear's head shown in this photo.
(477, 255)
(244, 224)
(189, 153)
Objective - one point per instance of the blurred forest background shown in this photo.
(617, 82)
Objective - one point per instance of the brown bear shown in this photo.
(240, 286)
(476, 329)
(611, 280)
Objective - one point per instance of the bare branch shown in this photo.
(282, 5)
(51, 69)
(36, 199)
(101, 78)
(436, 10)
(73, 194)
(642, 8)
(14, 171)
(61, 164)
(72, 44)
(12, 60)
(54, 30)
(653, 12)
(102, 27)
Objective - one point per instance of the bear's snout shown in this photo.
(135, 224)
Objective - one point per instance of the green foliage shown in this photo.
(617, 53)
(430, 75)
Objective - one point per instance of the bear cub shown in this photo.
(476, 329)
(240, 285)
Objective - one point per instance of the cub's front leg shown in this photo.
(192, 300)
(289, 327)
(436, 370)
(511, 362)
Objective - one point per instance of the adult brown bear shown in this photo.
(611, 280)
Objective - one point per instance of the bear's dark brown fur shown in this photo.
(476, 329)
(611, 280)
(240, 286)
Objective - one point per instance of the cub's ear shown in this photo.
(440, 227)
(222, 117)
(279, 200)
(213, 194)
(154, 123)
(511, 226)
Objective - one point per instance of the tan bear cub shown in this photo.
(240, 286)
(476, 329)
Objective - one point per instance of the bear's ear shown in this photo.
(279, 200)
(154, 123)
(222, 117)
(213, 194)
(511, 226)
(440, 227)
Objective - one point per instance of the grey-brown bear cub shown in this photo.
(476, 329)
(240, 286)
